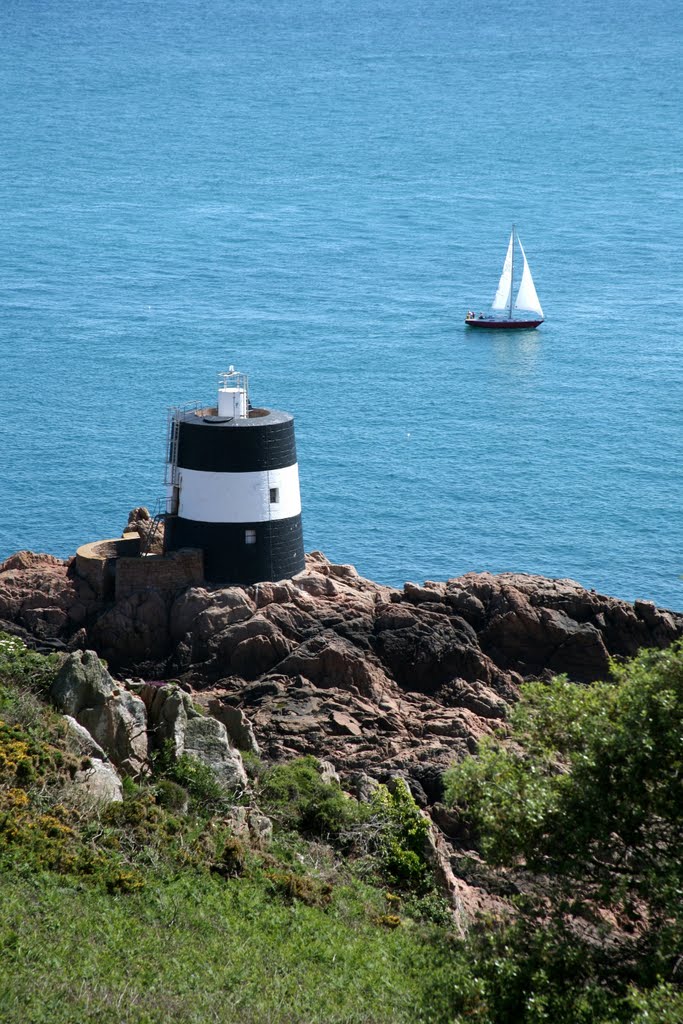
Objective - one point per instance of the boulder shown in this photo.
(119, 725)
(207, 741)
(344, 724)
(260, 827)
(329, 660)
(81, 740)
(250, 823)
(100, 783)
(81, 682)
(205, 613)
(328, 772)
(167, 711)
(114, 717)
(237, 724)
(173, 718)
(429, 650)
(258, 654)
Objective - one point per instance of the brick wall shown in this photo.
(169, 572)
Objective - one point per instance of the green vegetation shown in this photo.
(153, 910)
(191, 778)
(389, 828)
(21, 668)
(163, 909)
(582, 807)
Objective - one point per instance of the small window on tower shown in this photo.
(274, 495)
(250, 536)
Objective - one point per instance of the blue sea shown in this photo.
(316, 192)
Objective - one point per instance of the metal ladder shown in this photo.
(172, 433)
(158, 517)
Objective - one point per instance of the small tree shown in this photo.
(586, 791)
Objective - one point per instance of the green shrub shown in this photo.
(429, 906)
(584, 795)
(401, 841)
(390, 828)
(233, 859)
(253, 765)
(27, 756)
(299, 797)
(532, 974)
(171, 795)
(305, 888)
(195, 777)
(21, 667)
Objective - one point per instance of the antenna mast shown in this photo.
(512, 270)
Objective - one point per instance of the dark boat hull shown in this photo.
(507, 325)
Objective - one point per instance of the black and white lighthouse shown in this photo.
(233, 484)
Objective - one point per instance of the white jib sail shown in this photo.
(526, 296)
(502, 297)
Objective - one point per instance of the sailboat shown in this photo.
(526, 310)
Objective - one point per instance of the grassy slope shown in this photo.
(195, 948)
(141, 914)
(119, 916)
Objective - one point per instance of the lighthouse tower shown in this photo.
(233, 484)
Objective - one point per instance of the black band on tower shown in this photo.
(242, 553)
(252, 445)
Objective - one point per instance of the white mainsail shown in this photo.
(526, 296)
(502, 297)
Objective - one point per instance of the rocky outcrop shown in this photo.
(80, 740)
(173, 719)
(42, 599)
(251, 824)
(381, 681)
(98, 782)
(237, 725)
(147, 528)
(125, 722)
(113, 716)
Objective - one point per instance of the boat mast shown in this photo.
(512, 270)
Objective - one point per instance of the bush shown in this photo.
(299, 797)
(195, 777)
(390, 828)
(304, 888)
(171, 795)
(585, 797)
(233, 859)
(253, 765)
(401, 841)
(22, 668)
